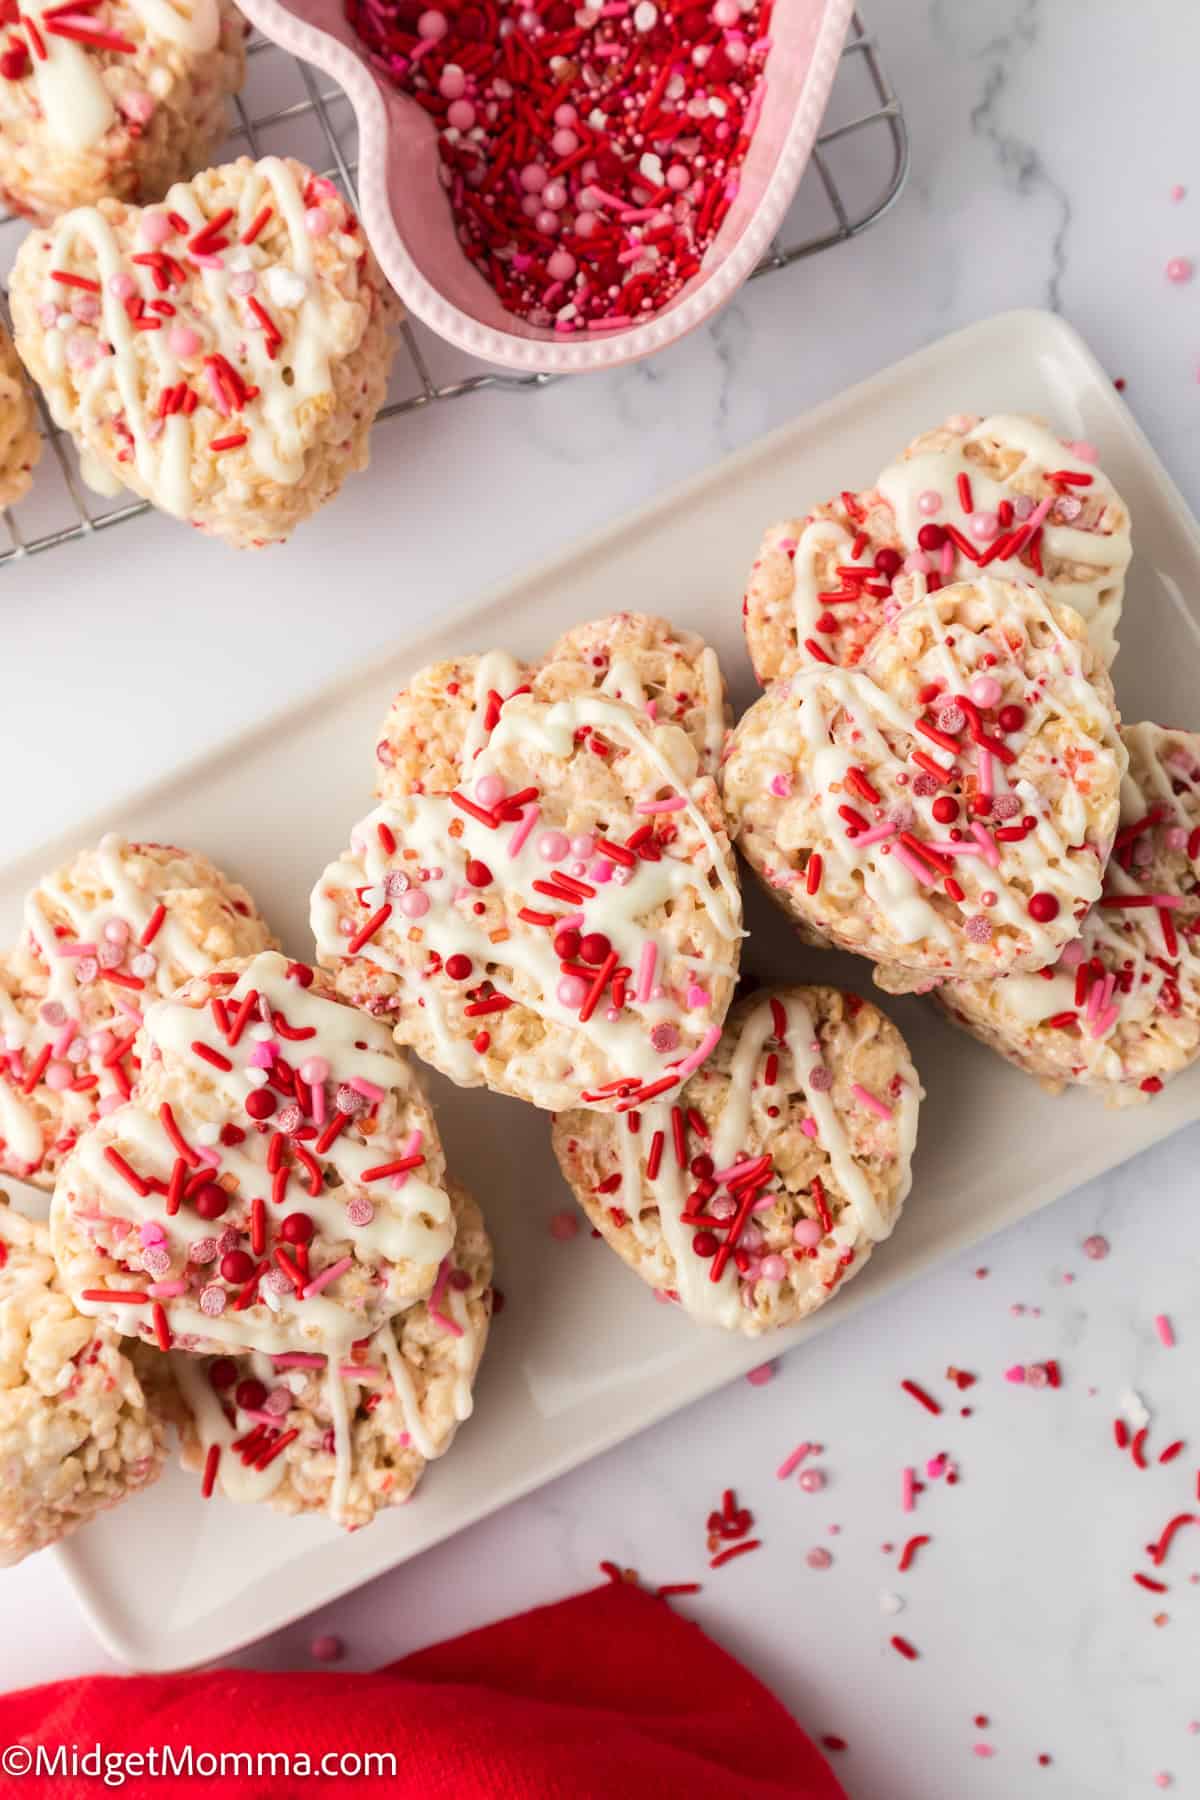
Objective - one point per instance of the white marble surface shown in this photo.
(1047, 136)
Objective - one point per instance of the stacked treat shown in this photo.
(937, 776)
(252, 1232)
(216, 340)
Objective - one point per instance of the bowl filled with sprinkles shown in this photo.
(559, 186)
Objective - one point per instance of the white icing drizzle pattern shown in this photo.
(407, 1218)
(76, 982)
(718, 1302)
(1107, 551)
(1040, 862)
(422, 823)
(1152, 968)
(249, 384)
(68, 80)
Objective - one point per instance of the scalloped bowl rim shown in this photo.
(355, 76)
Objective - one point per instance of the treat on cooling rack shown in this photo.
(947, 807)
(1122, 1012)
(20, 439)
(116, 101)
(81, 1422)
(565, 925)
(757, 1190)
(275, 1183)
(116, 927)
(1002, 493)
(235, 350)
(350, 1437)
(667, 675)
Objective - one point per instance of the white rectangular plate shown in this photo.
(583, 1356)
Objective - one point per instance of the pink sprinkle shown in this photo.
(676, 803)
(1016, 1374)
(646, 967)
(1178, 192)
(812, 1481)
(876, 835)
(529, 818)
(792, 1462)
(819, 1559)
(871, 1101)
(366, 1088)
(1179, 269)
(1166, 1336)
(908, 1490)
(982, 1750)
(759, 1377)
(564, 1226)
(809, 1129)
(298, 1359)
(703, 1050)
(327, 1648)
(1162, 1779)
(166, 1290)
(326, 1276)
(935, 1466)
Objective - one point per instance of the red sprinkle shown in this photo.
(918, 1393)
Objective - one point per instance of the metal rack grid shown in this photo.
(858, 168)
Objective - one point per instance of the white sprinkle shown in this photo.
(256, 1077)
(285, 287)
(207, 1134)
(890, 1603)
(645, 15)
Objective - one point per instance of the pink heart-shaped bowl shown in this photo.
(407, 217)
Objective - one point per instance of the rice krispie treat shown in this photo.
(78, 1429)
(946, 808)
(565, 926)
(665, 674)
(275, 1183)
(764, 1185)
(438, 724)
(351, 1438)
(119, 925)
(1120, 1013)
(1003, 493)
(20, 439)
(235, 348)
(121, 103)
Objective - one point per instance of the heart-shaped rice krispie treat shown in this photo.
(351, 1439)
(756, 1192)
(82, 1423)
(1121, 1014)
(20, 439)
(947, 807)
(275, 1183)
(1003, 493)
(223, 354)
(119, 102)
(117, 927)
(439, 723)
(565, 924)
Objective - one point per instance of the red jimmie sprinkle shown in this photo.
(905, 1648)
(919, 1394)
(589, 156)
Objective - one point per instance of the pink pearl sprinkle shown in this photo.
(552, 846)
(812, 1481)
(432, 25)
(1015, 1374)
(1096, 1247)
(572, 991)
(566, 114)
(807, 1233)
(328, 1648)
(583, 845)
(317, 222)
(489, 790)
(985, 690)
(461, 114)
(773, 1268)
(183, 341)
(929, 502)
(156, 228)
(984, 525)
(1179, 269)
(564, 142)
(58, 1076)
(533, 178)
(546, 222)
(819, 1559)
(453, 83)
(564, 1226)
(561, 265)
(414, 904)
(1162, 1779)
(121, 286)
(678, 177)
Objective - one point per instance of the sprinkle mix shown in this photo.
(590, 153)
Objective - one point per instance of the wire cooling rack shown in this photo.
(858, 167)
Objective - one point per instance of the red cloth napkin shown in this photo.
(608, 1696)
